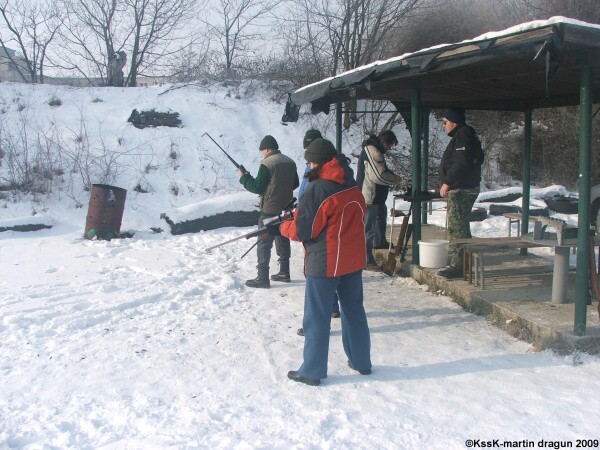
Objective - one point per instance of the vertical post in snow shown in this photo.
(338, 127)
(583, 234)
(425, 163)
(415, 112)
(526, 175)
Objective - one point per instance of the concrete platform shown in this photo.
(517, 297)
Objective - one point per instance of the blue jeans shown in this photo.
(356, 338)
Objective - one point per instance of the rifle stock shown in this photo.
(390, 265)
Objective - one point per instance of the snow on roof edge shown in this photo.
(526, 26)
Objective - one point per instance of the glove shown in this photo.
(273, 230)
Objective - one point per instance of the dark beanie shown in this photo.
(310, 136)
(268, 142)
(320, 151)
(456, 115)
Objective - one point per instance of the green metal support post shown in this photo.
(526, 175)
(338, 127)
(583, 234)
(425, 164)
(415, 111)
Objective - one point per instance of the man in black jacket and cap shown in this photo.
(460, 175)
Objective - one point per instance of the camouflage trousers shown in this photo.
(459, 203)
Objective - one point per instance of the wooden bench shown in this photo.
(475, 249)
(516, 217)
(540, 223)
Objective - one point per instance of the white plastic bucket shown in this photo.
(433, 253)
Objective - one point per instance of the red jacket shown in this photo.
(329, 222)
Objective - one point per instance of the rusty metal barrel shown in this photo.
(105, 212)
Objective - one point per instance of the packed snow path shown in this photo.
(151, 343)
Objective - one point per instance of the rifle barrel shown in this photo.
(247, 236)
(238, 166)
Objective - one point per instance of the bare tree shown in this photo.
(357, 29)
(147, 31)
(31, 27)
(351, 33)
(155, 27)
(190, 63)
(586, 10)
(237, 27)
(94, 31)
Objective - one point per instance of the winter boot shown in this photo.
(284, 272)
(261, 281)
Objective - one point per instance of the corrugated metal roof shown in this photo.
(533, 65)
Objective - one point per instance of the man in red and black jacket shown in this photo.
(329, 222)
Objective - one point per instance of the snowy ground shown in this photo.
(149, 342)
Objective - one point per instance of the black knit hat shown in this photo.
(310, 136)
(456, 115)
(320, 151)
(268, 142)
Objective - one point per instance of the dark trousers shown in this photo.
(380, 226)
(356, 338)
(265, 244)
(375, 228)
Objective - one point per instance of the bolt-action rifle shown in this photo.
(238, 166)
(269, 224)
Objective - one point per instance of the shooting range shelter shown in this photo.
(540, 64)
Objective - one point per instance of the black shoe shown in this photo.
(259, 282)
(451, 273)
(295, 375)
(281, 276)
(300, 332)
(362, 372)
(335, 314)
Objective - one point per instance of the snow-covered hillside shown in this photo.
(86, 139)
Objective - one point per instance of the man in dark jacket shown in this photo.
(374, 178)
(329, 223)
(460, 174)
(275, 182)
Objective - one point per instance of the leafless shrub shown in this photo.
(555, 145)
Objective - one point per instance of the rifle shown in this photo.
(406, 229)
(238, 166)
(284, 216)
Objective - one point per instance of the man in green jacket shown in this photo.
(275, 182)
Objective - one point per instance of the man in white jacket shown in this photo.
(375, 179)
